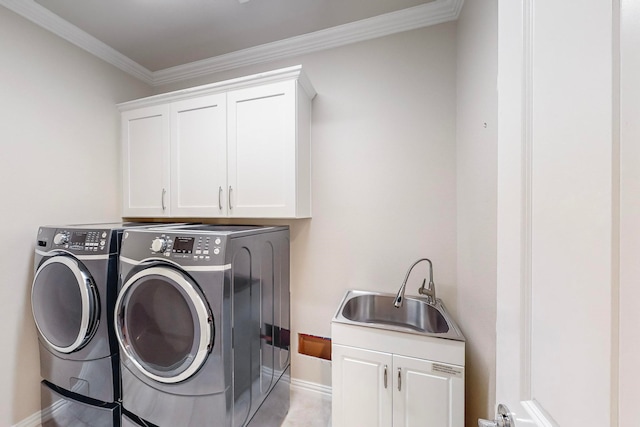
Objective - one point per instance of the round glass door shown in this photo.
(163, 324)
(65, 304)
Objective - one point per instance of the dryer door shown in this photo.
(65, 303)
(163, 324)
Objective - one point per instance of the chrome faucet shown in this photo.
(430, 291)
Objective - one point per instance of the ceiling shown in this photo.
(168, 40)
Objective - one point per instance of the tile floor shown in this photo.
(308, 409)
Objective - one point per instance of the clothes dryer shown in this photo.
(202, 319)
(73, 294)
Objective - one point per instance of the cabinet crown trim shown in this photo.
(283, 74)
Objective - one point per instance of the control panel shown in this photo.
(195, 248)
(83, 241)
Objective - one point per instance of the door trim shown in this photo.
(202, 314)
(537, 414)
(88, 296)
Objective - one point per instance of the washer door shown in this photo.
(65, 303)
(164, 324)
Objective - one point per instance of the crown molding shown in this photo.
(46, 19)
(435, 12)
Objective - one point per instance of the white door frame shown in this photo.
(516, 128)
(514, 221)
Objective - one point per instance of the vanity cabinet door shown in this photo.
(362, 387)
(427, 394)
(145, 162)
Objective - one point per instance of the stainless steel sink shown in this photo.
(373, 309)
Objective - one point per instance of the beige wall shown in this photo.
(58, 164)
(384, 180)
(477, 156)
(629, 339)
(383, 175)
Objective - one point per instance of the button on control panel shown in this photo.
(159, 244)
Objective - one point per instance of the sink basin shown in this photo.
(373, 309)
(413, 314)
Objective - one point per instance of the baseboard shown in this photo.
(34, 419)
(308, 386)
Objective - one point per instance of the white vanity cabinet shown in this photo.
(361, 386)
(427, 393)
(239, 148)
(383, 378)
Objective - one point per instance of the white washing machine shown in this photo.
(202, 319)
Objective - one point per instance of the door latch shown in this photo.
(503, 418)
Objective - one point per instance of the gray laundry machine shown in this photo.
(202, 319)
(72, 297)
(62, 408)
(131, 420)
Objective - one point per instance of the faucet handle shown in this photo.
(429, 291)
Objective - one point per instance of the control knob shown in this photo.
(159, 244)
(61, 239)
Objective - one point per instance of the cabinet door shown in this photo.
(362, 387)
(145, 162)
(427, 394)
(262, 151)
(199, 157)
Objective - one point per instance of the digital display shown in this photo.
(183, 245)
(78, 237)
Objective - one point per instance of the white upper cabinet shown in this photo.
(145, 161)
(239, 148)
(199, 156)
(262, 151)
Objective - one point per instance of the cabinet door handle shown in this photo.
(220, 197)
(230, 190)
(385, 376)
(399, 379)
(164, 207)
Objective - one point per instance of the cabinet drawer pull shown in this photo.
(220, 197)
(399, 379)
(164, 207)
(230, 190)
(385, 376)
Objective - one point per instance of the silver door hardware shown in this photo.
(385, 376)
(503, 418)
